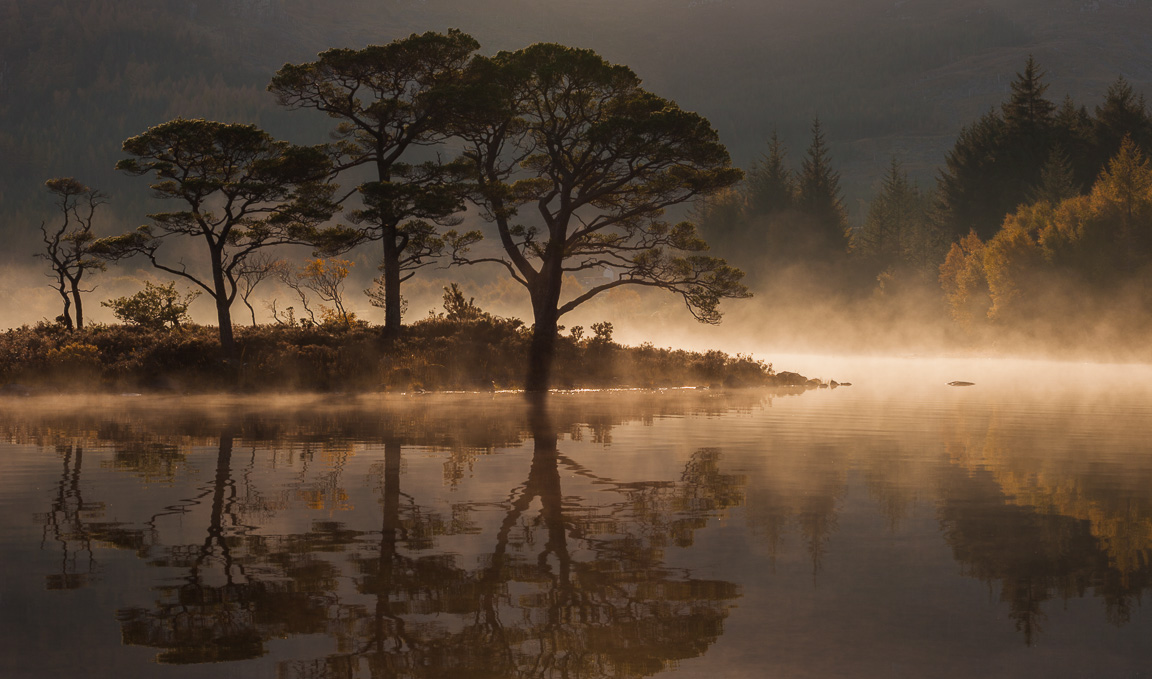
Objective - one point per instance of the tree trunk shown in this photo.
(67, 315)
(545, 302)
(221, 484)
(223, 309)
(544, 481)
(384, 582)
(224, 318)
(391, 267)
(541, 353)
(79, 304)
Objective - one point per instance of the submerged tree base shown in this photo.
(436, 353)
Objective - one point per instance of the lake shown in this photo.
(898, 527)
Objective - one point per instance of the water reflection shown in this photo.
(66, 523)
(567, 589)
(484, 537)
(568, 585)
(1052, 516)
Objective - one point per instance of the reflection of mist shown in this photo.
(575, 584)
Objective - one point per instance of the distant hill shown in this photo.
(886, 77)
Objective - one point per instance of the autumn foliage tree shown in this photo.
(1090, 247)
(574, 165)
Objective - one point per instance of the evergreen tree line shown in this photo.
(1033, 190)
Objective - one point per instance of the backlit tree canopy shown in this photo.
(575, 164)
(241, 191)
(381, 97)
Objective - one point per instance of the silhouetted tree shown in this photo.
(1122, 114)
(243, 191)
(818, 198)
(970, 193)
(770, 186)
(380, 96)
(596, 159)
(1074, 135)
(1027, 113)
(1057, 180)
(68, 243)
(1028, 123)
(879, 237)
(998, 159)
(155, 307)
(256, 270)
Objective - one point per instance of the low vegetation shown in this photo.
(460, 351)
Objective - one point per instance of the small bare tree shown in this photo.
(67, 243)
(255, 270)
(325, 278)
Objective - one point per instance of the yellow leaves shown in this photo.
(74, 356)
(326, 270)
(1009, 259)
(1125, 187)
(1065, 227)
(1100, 239)
(962, 277)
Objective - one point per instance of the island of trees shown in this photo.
(1041, 211)
(568, 158)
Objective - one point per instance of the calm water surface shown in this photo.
(895, 528)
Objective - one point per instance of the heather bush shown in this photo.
(466, 352)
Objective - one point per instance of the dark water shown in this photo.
(897, 528)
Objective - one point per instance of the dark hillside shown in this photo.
(79, 76)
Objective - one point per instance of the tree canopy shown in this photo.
(382, 97)
(241, 190)
(574, 164)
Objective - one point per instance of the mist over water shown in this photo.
(899, 526)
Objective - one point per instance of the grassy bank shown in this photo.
(435, 353)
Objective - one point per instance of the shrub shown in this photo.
(155, 307)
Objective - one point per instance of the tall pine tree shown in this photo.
(997, 160)
(1027, 112)
(1074, 136)
(1122, 114)
(770, 186)
(889, 216)
(818, 198)
(1028, 125)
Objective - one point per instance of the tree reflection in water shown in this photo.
(66, 523)
(568, 590)
(226, 607)
(565, 570)
(1044, 514)
(568, 586)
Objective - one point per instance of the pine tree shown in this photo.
(1122, 114)
(1057, 180)
(890, 215)
(771, 188)
(1028, 120)
(899, 229)
(971, 194)
(1122, 200)
(818, 198)
(1027, 111)
(887, 214)
(1074, 134)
